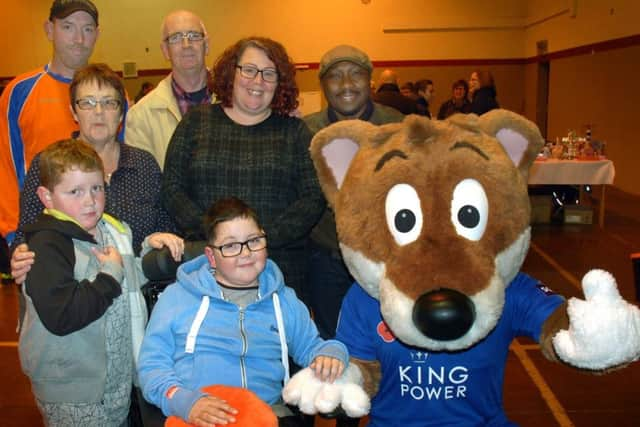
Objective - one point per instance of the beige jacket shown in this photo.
(152, 120)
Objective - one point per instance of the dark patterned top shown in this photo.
(449, 108)
(267, 165)
(133, 195)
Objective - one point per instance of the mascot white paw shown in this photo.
(314, 396)
(604, 329)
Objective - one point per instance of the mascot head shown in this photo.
(432, 217)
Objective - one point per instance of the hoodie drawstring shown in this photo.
(283, 338)
(190, 346)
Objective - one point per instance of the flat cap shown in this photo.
(344, 53)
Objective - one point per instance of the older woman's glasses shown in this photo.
(192, 36)
(232, 249)
(107, 104)
(250, 72)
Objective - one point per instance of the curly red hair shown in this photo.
(285, 98)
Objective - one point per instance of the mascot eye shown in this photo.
(469, 209)
(404, 215)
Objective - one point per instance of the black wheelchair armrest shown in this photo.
(159, 266)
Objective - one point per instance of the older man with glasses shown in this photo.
(152, 120)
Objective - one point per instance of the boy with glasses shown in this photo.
(229, 319)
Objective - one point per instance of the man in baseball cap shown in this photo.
(345, 76)
(34, 107)
(60, 9)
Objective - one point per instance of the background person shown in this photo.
(249, 147)
(459, 102)
(151, 122)
(388, 94)
(144, 89)
(425, 90)
(482, 92)
(34, 107)
(408, 89)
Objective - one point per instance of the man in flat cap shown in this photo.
(345, 76)
(35, 106)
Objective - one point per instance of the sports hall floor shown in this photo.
(537, 393)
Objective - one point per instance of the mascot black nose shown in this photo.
(444, 314)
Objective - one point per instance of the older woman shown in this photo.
(132, 175)
(458, 102)
(482, 92)
(248, 146)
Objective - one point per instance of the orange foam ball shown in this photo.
(252, 411)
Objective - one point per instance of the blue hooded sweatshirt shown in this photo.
(195, 338)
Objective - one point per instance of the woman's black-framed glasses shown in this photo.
(232, 249)
(269, 75)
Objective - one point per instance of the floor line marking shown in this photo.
(546, 393)
(622, 240)
(8, 343)
(551, 261)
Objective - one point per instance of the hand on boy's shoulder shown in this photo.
(108, 254)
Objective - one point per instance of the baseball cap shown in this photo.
(60, 9)
(344, 53)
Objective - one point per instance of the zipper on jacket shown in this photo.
(243, 368)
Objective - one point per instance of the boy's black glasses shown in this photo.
(232, 249)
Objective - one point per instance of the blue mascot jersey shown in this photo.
(422, 388)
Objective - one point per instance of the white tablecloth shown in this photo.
(553, 171)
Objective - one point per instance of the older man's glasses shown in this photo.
(107, 104)
(250, 72)
(192, 36)
(232, 249)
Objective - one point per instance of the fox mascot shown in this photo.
(433, 220)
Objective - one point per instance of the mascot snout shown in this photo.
(443, 314)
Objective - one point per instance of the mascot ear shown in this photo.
(519, 137)
(332, 151)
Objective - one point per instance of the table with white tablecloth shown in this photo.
(574, 172)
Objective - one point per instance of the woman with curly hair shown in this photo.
(482, 92)
(249, 146)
